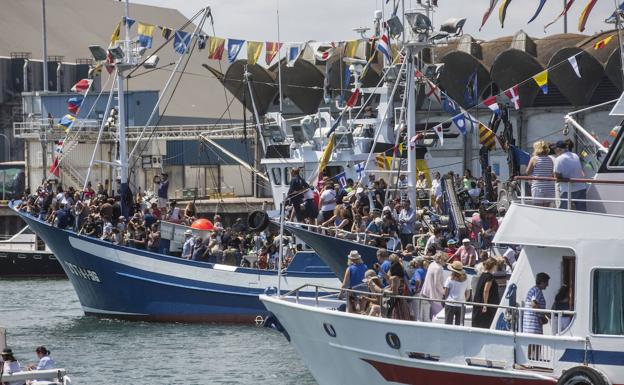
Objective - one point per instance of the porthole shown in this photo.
(393, 341)
(329, 329)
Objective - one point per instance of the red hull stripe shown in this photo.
(417, 376)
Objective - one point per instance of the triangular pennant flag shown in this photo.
(575, 66)
(234, 47)
(502, 12)
(116, 34)
(82, 86)
(487, 137)
(254, 48)
(438, 129)
(73, 105)
(67, 121)
(471, 92)
(182, 41)
(294, 51)
(562, 14)
(146, 32)
(353, 99)
(514, 96)
(603, 43)
(539, 9)
(216, 46)
(383, 46)
(488, 12)
(272, 49)
(165, 32)
(128, 21)
(541, 79)
(351, 48)
(54, 168)
(492, 104)
(585, 15)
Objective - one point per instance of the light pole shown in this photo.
(8, 145)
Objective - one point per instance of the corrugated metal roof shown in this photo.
(193, 153)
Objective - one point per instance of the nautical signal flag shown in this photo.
(146, 32)
(514, 96)
(201, 42)
(492, 104)
(234, 47)
(471, 92)
(327, 153)
(439, 129)
(383, 162)
(294, 51)
(383, 46)
(502, 12)
(541, 79)
(575, 66)
(563, 13)
(95, 70)
(66, 121)
(603, 43)
(165, 32)
(82, 86)
(539, 9)
(353, 99)
(585, 15)
(116, 34)
(488, 12)
(487, 137)
(254, 48)
(54, 168)
(272, 49)
(73, 105)
(351, 48)
(181, 42)
(323, 51)
(216, 47)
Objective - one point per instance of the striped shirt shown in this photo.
(531, 320)
(543, 168)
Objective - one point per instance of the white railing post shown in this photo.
(522, 191)
(569, 195)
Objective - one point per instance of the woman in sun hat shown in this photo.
(354, 275)
(372, 280)
(455, 289)
(10, 365)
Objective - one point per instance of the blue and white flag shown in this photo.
(341, 179)
(294, 51)
(182, 41)
(459, 118)
(234, 46)
(471, 92)
(613, 18)
(359, 169)
(128, 21)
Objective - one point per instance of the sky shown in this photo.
(333, 20)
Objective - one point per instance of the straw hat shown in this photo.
(354, 255)
(457, 267)
(369, 276)
(188, 232)
(465, 240)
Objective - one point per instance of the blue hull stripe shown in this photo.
(596, 357)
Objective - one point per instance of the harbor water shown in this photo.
(47, 312)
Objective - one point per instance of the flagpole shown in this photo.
(279, 61)
(565, 18)
(45, 49)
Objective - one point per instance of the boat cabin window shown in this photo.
(287, 175)
(608, 302)
(332, 171)
(617, 159)
(277, 176)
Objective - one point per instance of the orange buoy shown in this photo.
(202, 224)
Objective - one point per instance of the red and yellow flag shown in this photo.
(585, 15)
(272, 49)
(216, 46)
(603, 43)
(487, 137)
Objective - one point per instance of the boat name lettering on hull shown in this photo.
(81, 272)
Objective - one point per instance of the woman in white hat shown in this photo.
(354, 275)
(455, 289)
(372, 280)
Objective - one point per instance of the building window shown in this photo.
(277, 176)
(608, 302)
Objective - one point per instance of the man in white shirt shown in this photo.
(328, 201)
(407, 223)
(189, 243)
(433, 288)
(568, 166)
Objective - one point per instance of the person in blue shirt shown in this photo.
(189, 243)
(354, 276)
(383, 266)
(415, 283)
(63, 217)
(45, 361)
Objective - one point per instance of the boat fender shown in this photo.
(272, 322)
(258, 220)
(582, 375)
(271, 290)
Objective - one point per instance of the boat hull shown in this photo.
(29, 264)
(120, 282)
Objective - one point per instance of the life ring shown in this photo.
(582, 375)
(257, 220)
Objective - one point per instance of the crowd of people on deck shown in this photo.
(10, 364)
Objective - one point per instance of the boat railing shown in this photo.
(570, 200)
(509, 318)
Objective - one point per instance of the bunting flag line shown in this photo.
(487, 137)
(383, 46)
(541, 79)
(234, 47)
(470, 120)
(351, 48)
(562, 14)
(216, 46)
(254, 48)
(66, 121)
(440, 131)
(294, 51)
(383, 162)
(453, 109)
(82, 86)
(181, 42)
(575, 66)
(471, 92)
(492, 104)
(502, 12)
(146, 32)
(513, 94)
(431, 90)
(128, 21)
(165, 32)
(539, 10)
(488, 12)
(73, 105)
(585, 15)
(613, 18)
(603, 43)
(116, 34)
(272, 49)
